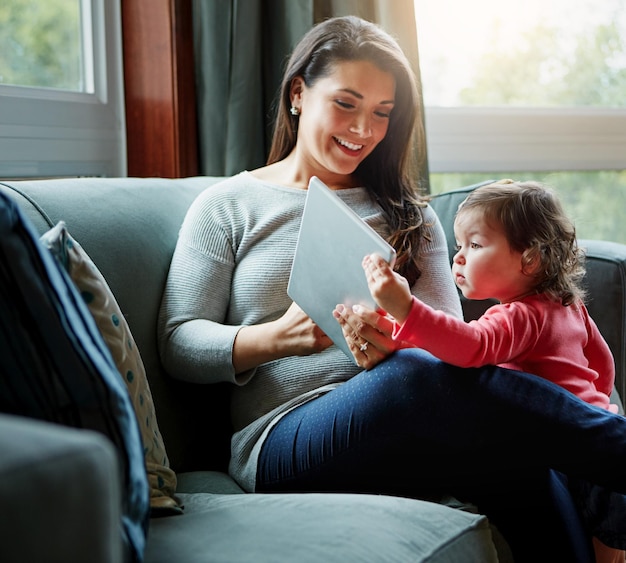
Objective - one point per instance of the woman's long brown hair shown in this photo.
(388, 173)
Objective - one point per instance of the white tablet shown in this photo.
(326, 270)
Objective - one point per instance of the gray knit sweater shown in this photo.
(230, 269)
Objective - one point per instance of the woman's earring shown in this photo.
(294, 111)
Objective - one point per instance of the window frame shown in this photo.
(472, 139)
(51, 133)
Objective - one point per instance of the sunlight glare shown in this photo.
(453, 35)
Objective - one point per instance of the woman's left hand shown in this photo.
(368, 334)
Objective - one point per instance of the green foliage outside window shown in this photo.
(41, 44)
(539, 72)
(595, 200)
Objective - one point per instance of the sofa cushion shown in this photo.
(316, 527)
(116, 333)
(208, 481)
(56, 367)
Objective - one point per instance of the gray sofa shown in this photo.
(59, 487)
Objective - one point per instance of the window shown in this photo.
(528, 88)
(45, 45)
(61, 90)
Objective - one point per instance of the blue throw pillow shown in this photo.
(55, 366)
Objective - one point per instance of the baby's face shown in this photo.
(485, 266)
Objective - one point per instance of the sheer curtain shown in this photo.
(241, 47)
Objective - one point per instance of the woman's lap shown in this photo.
(444, 423)
(381, 424)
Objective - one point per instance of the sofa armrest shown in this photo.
(59, 492)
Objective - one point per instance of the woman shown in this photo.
(305, 417)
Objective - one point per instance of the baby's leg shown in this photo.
(605, 554)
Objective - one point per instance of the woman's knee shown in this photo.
(416, 370)
(413, 363)
(404, 371)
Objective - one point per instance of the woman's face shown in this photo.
(343, 116)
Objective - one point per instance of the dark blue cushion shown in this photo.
(55, 366)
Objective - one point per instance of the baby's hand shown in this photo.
(390, 290)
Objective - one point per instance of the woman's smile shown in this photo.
(348, 147)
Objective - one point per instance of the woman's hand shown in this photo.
(299, 335)
(368, 334)
(293, 334)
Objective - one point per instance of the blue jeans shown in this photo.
(417, 427)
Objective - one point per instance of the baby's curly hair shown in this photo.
(535, 224)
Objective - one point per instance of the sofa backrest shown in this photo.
(605, 282)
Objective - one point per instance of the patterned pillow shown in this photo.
(55, 365)
(116, 333)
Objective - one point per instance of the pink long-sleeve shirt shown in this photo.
(535, 335)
